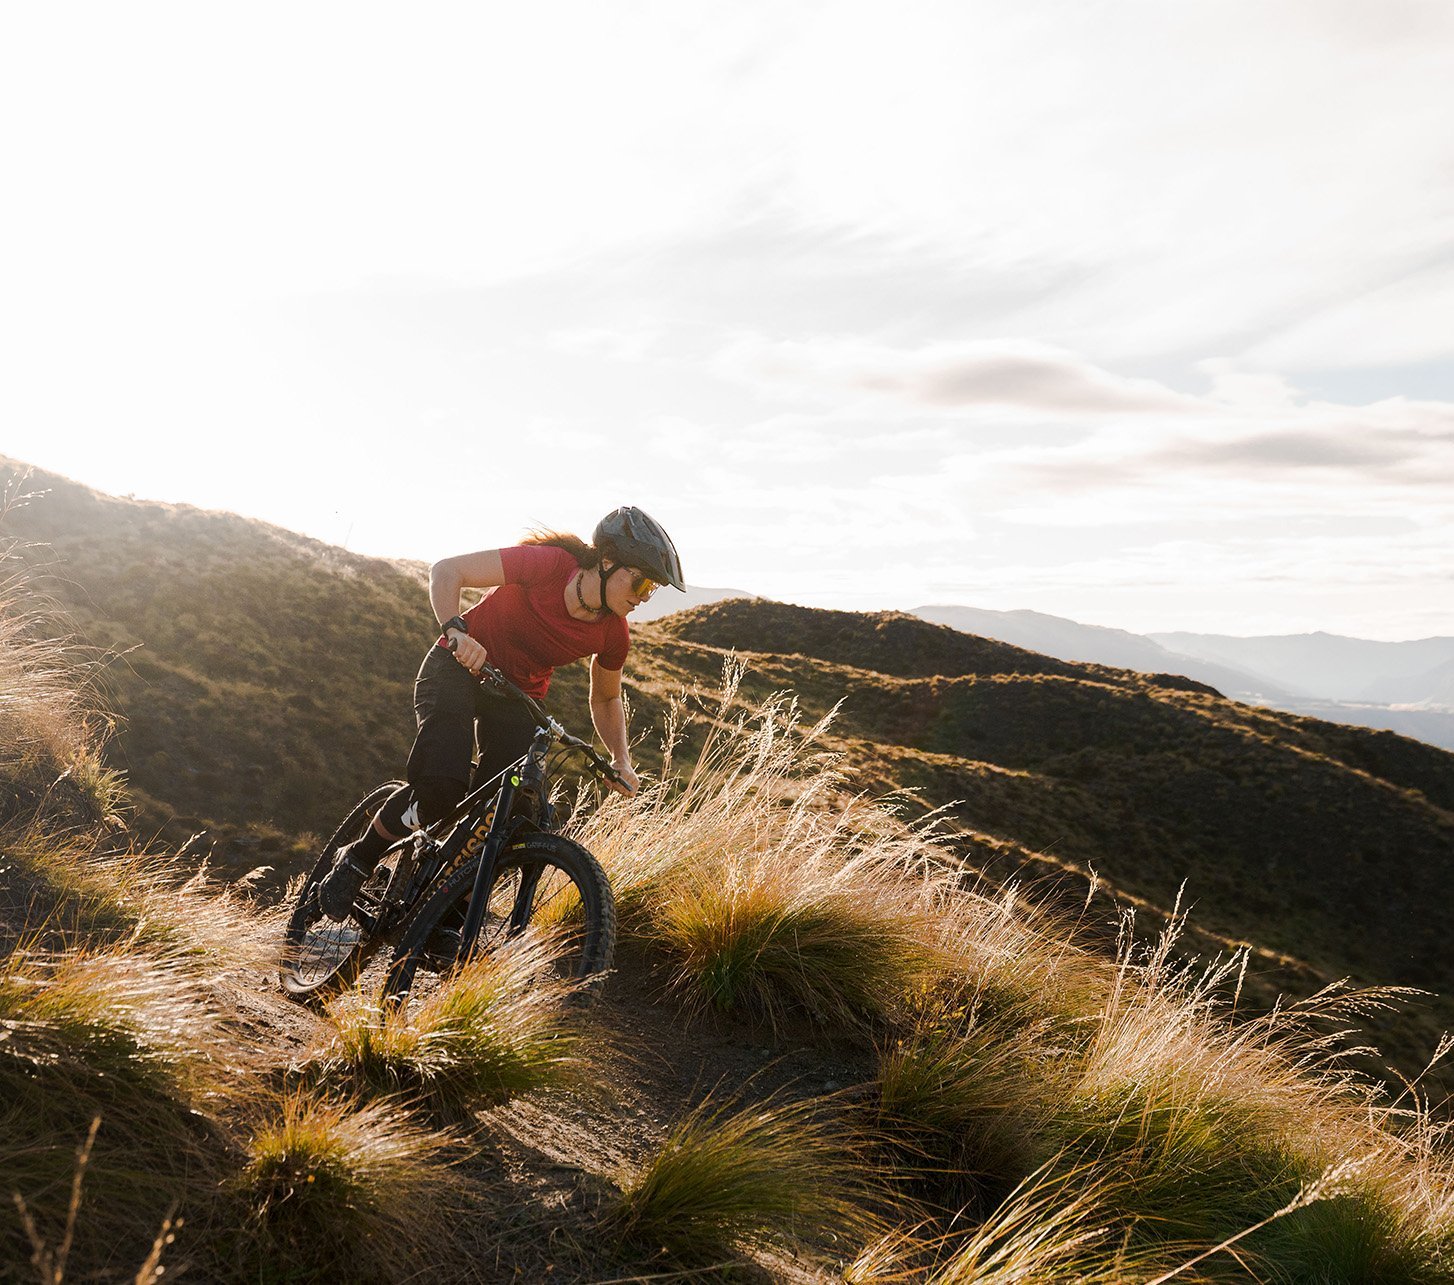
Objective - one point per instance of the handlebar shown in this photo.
(543, 719)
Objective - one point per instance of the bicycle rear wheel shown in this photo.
(319, 953)
(544, 885)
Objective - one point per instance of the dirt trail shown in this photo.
(547, 1161)
(542, 1165)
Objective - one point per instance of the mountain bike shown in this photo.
(479, 877)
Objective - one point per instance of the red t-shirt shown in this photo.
(525, 627)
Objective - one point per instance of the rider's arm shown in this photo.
(608, 716)
(449, 577)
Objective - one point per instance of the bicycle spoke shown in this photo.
(320, 951)
(326, 943)
(533, 894)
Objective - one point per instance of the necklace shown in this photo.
(581, 598)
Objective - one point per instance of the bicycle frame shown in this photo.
(484, 826)
(529, 777)
(525, 776)
(488, 838)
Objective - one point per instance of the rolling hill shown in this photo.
(827, 1051)
(263, 682)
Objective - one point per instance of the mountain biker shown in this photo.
(551, 599)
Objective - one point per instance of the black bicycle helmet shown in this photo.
(634, 538)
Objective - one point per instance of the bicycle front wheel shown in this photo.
(544, 886)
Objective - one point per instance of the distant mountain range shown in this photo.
(1405, 687)
(1094, 644)
(1332, 667)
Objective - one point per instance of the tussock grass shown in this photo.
(1217, 1132)
(79, 896)
(767, 888)
(1050, 1229)
(1364, 1233)
(341, 1191)
(119, 1021)
(728, 1177)
(493, 1030)
(821, 939)
(1006, 960)
(111, 1036)
(764, 888)
(964, 1107)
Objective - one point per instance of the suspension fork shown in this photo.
(474, 914)
(528, 776)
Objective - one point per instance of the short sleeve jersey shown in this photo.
(525, 627)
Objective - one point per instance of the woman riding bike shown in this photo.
(551, 600)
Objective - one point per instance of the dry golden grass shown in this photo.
(51, 1258)
(1050, 1229)
(51, 724)
(118, 1037)
(728, 1177)
(493, 1030)
(770, 890)
(46, 722)
(343, 1191)
(763, 887)
(85, 894)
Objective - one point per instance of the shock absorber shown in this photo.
(530, 790)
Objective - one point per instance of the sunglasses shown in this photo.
(643, 586)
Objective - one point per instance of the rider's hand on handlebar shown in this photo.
(470, 653)
(628, 783)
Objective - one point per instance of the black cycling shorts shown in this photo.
(454, 711)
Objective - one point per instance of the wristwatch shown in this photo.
(454, 622)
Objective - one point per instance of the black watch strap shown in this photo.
(454, 622)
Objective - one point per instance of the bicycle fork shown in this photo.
(474, 915)
(527, 778)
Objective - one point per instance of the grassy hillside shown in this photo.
(827, 1055)
(1331, 848)
(263, 680)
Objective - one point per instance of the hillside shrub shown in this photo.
(493, 1030)
(731, 1176)
(340, 1191)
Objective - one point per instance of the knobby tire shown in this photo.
(571, 900)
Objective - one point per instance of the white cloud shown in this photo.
(337, 236)
(608, 344)
(1404, 321)
(1005, 374)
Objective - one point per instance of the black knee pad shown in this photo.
(437, 796)
(394, 815)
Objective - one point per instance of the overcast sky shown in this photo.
(1136, 312)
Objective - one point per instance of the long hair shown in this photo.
(585, 555)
